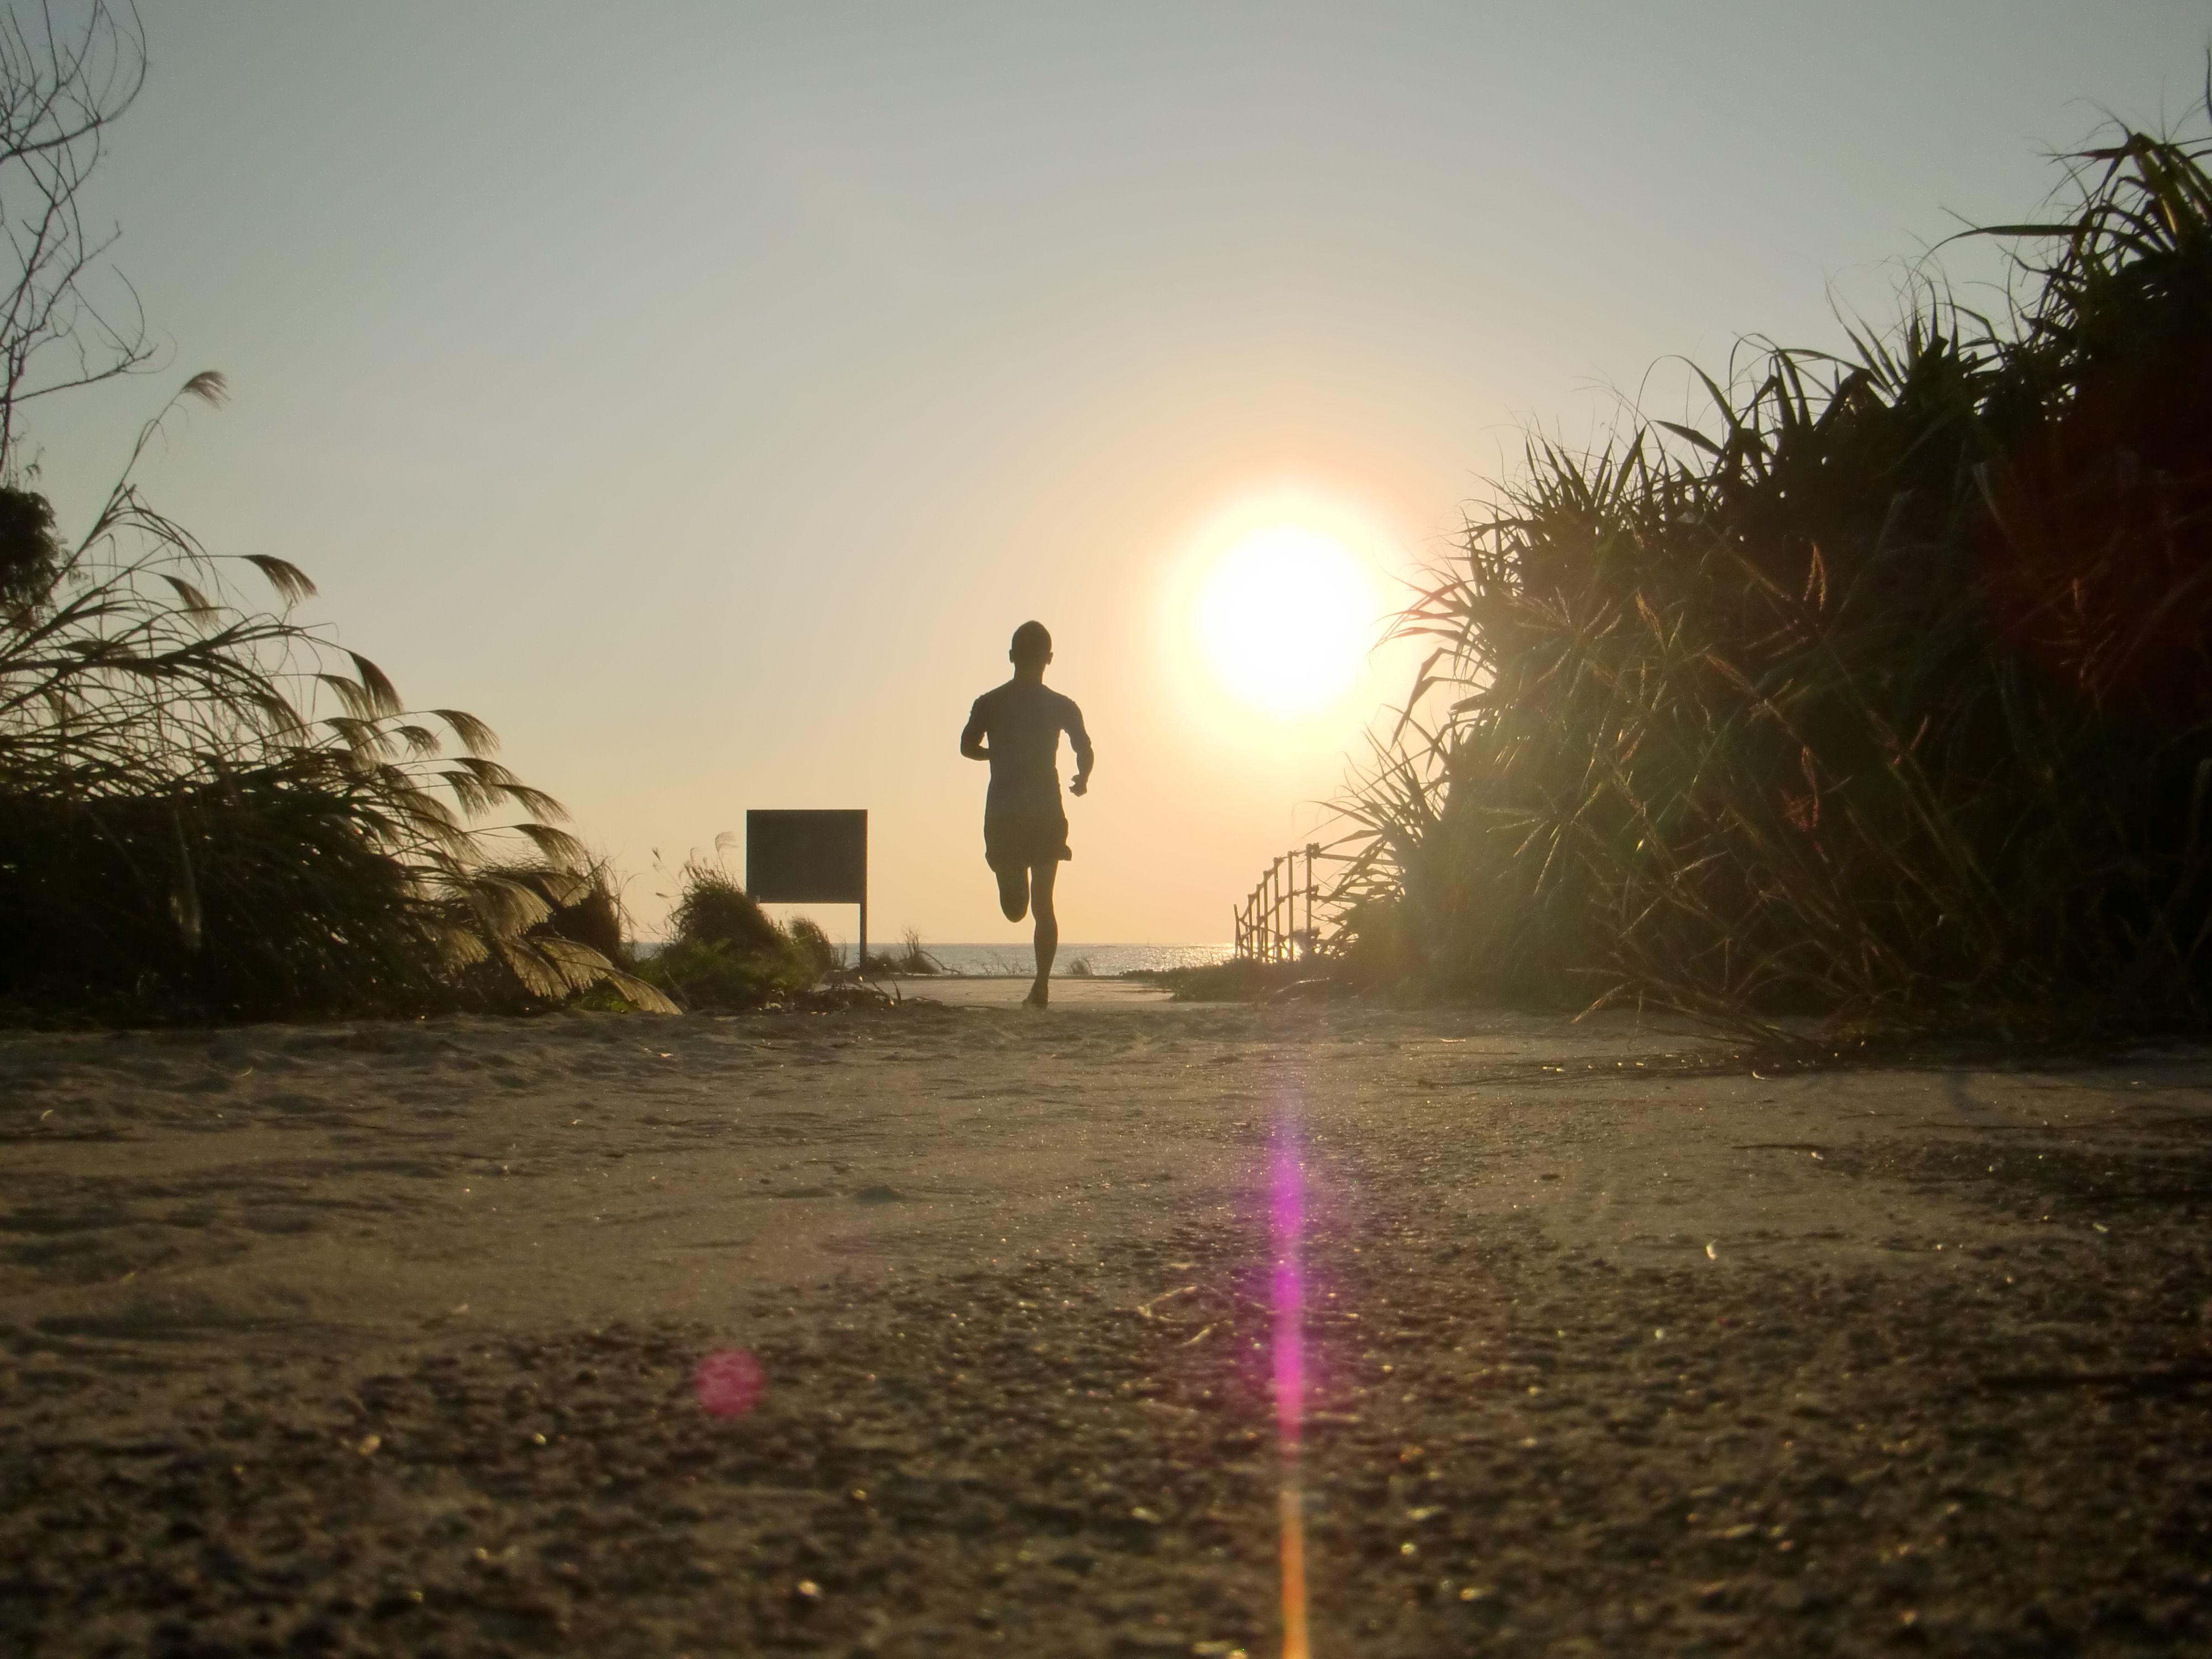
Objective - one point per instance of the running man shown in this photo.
(1025, 830)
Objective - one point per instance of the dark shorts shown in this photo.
(1018, 835)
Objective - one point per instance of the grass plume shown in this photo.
(209, 809)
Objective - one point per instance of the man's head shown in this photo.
(1032, 647)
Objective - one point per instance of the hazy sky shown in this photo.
(701, 393)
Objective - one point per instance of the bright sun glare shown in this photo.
(1284, 617)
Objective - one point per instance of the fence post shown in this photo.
(1269, 890)
(1274, 899)
(1267, 923)
(1313, 892)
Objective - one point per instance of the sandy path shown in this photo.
(226, 1246)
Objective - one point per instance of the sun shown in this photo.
(1285, 616)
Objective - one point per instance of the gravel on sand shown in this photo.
(1943, 1385)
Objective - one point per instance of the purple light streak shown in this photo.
(1286, 1212)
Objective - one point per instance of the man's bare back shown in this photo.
(1017, 728)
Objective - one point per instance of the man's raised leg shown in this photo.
(1013, 891)
(1041, 879)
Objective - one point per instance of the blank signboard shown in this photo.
(807, 858)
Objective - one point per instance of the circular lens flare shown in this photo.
(729, 1382)
(1285, 619)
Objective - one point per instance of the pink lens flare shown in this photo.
(729, 1382)
(1287, 1213)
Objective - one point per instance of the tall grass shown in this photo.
(728, 954)
(1884, 694)
(209, 809)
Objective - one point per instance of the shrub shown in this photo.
(1887, 697)
(712, 908)
(727, 955)
(208, 810)
(817, 954)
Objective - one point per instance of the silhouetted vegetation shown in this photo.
(910, 959)
(1885, 695)
(208, 810)
(727, 955)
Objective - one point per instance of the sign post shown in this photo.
(810, 858)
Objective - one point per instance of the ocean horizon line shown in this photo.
(1076, 958)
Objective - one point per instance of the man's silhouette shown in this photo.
(1025, 830)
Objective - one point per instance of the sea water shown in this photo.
(1013, 957)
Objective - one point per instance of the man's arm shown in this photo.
(971, 735)
(1079, 740)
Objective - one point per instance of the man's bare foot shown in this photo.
(1038, 995)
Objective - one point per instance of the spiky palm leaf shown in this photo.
(1886, 692)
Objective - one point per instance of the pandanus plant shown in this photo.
(1884, 694)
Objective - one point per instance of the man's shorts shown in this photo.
(1018, 835)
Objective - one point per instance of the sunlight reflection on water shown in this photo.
(1105, 960)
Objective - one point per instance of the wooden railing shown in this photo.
(1267, 928)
